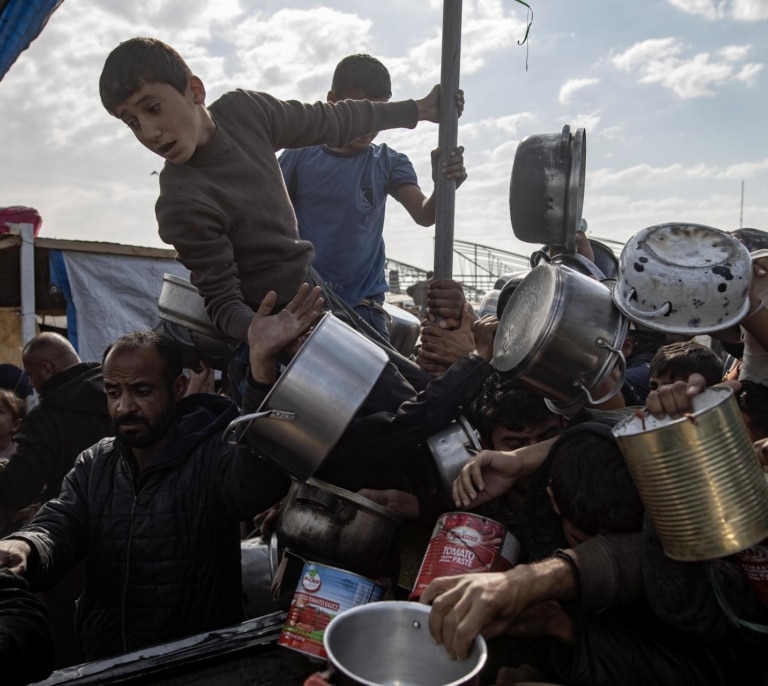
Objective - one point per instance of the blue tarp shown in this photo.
(21, 21)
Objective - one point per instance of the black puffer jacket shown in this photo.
(162, 547)
(72, 416)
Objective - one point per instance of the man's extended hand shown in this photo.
(269, 334)
(489, 603)
(13, 556)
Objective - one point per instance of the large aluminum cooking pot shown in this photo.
(328, 524)
(451, 449)
(389, 643)
(561, 333)
(404, 329)
(546, 192)
(313, 401)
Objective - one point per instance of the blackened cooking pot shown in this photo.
(328, 524)
(546, 191)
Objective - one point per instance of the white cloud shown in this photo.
(569, 88)
(647, 176)
(741, 10)
(660, 61)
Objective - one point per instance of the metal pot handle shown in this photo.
(600, 342)
(640, 314)
(237, 428)
(538, 257)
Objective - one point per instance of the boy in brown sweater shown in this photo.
(223, 204)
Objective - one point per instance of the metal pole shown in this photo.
(445, 189)
(741, 213)
(27, 278)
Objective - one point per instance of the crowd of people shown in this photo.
(117, 490)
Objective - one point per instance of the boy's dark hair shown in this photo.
(680, 360)
(361, 73)
(753, 401)
(168, 349)
(591, 484)
(510, 404)
(138, 61)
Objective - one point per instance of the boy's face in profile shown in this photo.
(358, 144)
(170, 124)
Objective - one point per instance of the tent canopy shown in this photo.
(21, 21)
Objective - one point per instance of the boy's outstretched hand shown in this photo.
(429, 106)
(269, 334)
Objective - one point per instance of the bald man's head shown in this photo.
(46, 355)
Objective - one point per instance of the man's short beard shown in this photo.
(154, 433)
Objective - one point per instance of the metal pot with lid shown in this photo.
(546, 192)
(328, 524)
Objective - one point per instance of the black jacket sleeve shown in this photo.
(26, 646)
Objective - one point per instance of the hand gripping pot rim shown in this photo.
(462, 543)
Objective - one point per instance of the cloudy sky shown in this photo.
(673, 95)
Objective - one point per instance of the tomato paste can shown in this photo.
(321, 594)
(462, 543)
(754, 563)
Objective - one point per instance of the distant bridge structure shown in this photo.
(477, 267)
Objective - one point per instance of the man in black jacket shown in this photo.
(156, 509)
(71, 416)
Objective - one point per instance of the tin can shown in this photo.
(462, 543)
(754, 563)
(321, 594)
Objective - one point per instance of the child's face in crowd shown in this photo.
(362, 143)
(170, 124)
(506, 439)
(8, 424)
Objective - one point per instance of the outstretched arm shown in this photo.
(489, 603)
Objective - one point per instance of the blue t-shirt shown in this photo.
(339, 201)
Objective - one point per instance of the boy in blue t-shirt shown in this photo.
(339, 195)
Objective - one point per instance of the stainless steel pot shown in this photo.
(404, 329)
(562, 335)
(451, 449)
(389, 643)
(258, 561)
(328, 524)
(181, 304)
(546, 191)
(313, 401)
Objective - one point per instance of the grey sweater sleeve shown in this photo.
(609, 570)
